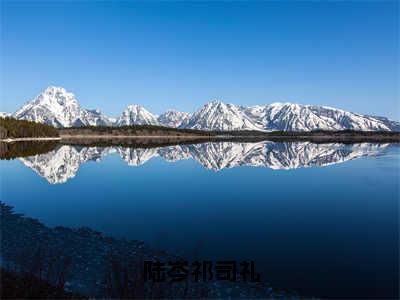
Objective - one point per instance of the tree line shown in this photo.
(134, 130)
(13, 128)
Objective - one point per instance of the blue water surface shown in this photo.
(321, 231)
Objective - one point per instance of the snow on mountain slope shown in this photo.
(173, 118)
(136, 114)
(59, 108)
(217, 115)
(295, 117)
(284, 116)
(95, 117)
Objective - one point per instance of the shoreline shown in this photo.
(314, 138)
(317, 138)
(28, 139)
(109, 136)
(89, 257)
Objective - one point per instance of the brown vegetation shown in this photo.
(13, 128)
(133, 130)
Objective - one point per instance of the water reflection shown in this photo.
(62, 163)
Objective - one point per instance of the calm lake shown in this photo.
(319, 219)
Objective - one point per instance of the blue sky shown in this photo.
(181, 55)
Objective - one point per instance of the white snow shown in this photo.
(173, 118)
(57, 107)
(136, 114)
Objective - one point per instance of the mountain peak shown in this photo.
(214, 103)
(52, 98)
(136, 115)
(171, 111)
(134, 107)
(55, 89)
(59, 108)
(173, 118)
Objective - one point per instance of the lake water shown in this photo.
(320, 219)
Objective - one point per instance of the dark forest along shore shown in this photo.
(14, 130)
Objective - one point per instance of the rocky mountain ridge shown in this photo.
(59, 108)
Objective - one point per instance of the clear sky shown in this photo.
(181, 55)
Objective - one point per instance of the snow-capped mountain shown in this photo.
(284, 116)
(62, 164)
(220, 116)
(173, 118)
(59, 108)
(295, 117)
(136, 114)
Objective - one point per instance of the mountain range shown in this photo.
(57, 107)
(62, 164)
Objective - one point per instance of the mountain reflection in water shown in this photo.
(62, 163)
